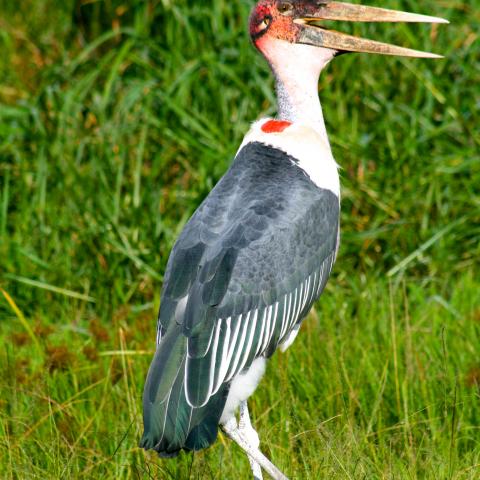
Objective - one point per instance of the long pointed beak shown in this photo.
(321, 37)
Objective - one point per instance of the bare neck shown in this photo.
(297, 97)
(297, 69)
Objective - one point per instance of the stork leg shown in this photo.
(232, 430)
(251, 436)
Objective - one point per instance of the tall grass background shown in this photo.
(116, 119)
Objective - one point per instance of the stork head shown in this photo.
(298, 22)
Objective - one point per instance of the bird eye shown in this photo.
(285, 8)
(264, 23)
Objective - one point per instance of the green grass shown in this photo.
(116, 119)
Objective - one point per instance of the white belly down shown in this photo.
(243, 385)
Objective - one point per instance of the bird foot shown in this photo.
(256, 457)
(251, 436)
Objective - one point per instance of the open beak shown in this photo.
(322, 37)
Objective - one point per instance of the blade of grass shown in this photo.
(51, 288)
(23, 321)
(414, 255)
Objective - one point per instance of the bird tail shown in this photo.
(170, 422)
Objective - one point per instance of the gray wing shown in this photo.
(247, 267)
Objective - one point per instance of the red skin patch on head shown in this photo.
(275, 126)
(279, 26)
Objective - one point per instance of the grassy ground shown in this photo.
(116, 118)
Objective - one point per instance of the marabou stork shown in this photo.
(257, 253)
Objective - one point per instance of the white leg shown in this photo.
(231, 429)
(251, 436)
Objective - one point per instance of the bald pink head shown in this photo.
(271, 18)
(275, 29)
